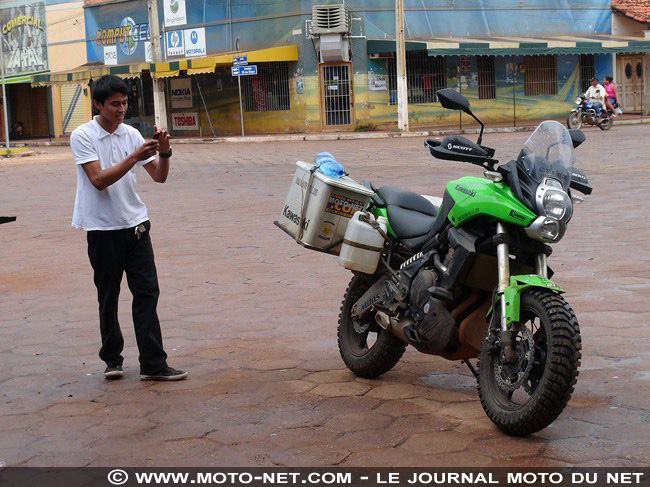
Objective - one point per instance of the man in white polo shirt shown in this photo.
(107, 154)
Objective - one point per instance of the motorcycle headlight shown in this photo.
(556, 204)
(546, 229)
(553, 201)
(578, 101)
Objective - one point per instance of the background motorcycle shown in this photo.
(466, 276)
(584, 113)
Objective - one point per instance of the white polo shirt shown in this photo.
(117, 206)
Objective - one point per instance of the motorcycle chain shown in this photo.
(525, 349)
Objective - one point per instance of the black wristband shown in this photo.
(166, 155)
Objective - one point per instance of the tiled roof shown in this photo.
(638, 10)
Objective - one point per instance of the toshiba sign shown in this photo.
(185, 121)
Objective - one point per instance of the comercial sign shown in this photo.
(195, 42)
(174, 43)
(175, 13)
(24, 38)
(185, 121)
(181, 93)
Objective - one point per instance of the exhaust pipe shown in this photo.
(392, 325)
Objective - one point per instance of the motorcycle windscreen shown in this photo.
(548, 153)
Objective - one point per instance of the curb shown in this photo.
(333, 136)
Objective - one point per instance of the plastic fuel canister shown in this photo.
(362, 244)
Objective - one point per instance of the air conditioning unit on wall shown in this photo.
(330, 24)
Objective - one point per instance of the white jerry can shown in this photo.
(362, 244)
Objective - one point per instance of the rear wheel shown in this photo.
(526, 396)
(574, 120)
(607, 123)
(367, 349)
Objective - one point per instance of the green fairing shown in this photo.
(518, 284)
(480, 197)
(383, 212)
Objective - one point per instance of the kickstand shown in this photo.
(471, 368)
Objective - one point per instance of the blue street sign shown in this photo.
(240, 60)
(244, 70)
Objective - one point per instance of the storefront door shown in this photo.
(630, 82)
(336, 95)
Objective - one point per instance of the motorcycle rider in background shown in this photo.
(596, 94)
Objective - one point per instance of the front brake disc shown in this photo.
(512, 377)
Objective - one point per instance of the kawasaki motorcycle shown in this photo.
(466, 276)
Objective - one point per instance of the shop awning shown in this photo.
(207, 64)
(21, 78)
(509, 46)
(165, 69)
(85, 75)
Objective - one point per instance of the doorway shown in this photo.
(630, 82)
(336, 95)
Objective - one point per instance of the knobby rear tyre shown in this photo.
(367, 361)
(559, 342)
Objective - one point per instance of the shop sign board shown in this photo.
(174, 43)
(23, 31)
(185, 121)
(175, 13)
(181, 93)
(195, 42)
(110, 55)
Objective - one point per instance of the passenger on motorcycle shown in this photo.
(610, 101)
(596, 95)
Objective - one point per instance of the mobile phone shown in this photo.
(156, 136)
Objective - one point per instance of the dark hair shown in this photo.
(594, 79)
(609, 78)
(107, 86)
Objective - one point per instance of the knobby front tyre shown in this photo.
(524, 398)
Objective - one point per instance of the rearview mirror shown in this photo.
(452, 100)
(577, 137)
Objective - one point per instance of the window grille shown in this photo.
(487, 86)
(425, 75)
(268, 90)
(587, 71)
(540, 75)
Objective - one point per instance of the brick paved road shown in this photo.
(252, 316)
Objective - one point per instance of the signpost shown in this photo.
(240, 68)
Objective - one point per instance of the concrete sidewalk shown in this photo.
(449, 130)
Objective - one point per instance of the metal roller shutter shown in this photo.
(72, 110)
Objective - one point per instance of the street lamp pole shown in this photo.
(4, 93)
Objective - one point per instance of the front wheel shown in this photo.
(367, 349)
(574, 120)
(526, 396)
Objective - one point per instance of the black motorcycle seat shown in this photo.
(410, 214)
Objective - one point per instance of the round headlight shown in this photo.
(557, 204)
(550, 229)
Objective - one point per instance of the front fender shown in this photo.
(518, 284)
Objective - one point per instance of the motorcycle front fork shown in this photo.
(503, 269)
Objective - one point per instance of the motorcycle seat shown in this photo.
(410, 214)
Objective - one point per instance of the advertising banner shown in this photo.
(122, 28)
(24, 39)
(195, 42)
(185, 121)
(174, 43)
(175, 13)
(181, 93)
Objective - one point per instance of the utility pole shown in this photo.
(160, 110)
(402, 88)
(4, 93)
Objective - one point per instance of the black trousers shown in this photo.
(111, 254)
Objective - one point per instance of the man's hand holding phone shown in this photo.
(162, 136)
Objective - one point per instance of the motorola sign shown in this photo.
(195, 42)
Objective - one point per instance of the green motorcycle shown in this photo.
(466, 276)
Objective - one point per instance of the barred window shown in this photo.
(540, 77)
(268, 90)
(425, 75)
(487, 85)
(587, 71)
